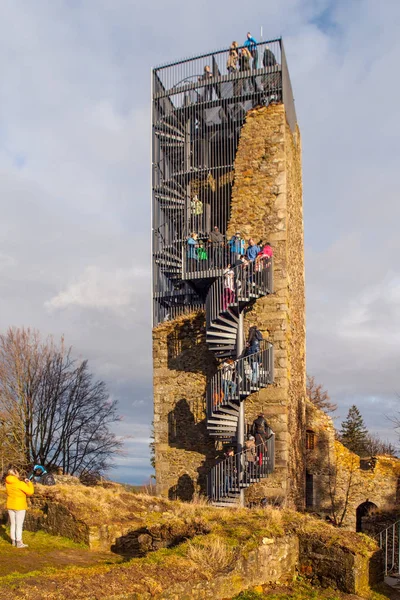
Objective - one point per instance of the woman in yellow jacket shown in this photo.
(17, 491)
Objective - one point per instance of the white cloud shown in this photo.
(99, 289)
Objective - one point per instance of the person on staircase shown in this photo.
(262, 264)
(251, 456)
(228, 379)
(192, 245)
(252, 252)
(229, 472)
(229, 287)
(217, 247)
(252, 351)
(262, 433)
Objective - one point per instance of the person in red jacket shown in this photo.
(17, 491)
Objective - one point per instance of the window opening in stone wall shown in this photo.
(309, 490)
(310, 440)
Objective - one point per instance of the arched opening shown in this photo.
(362, 511)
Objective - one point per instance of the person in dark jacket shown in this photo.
(271, 81)
(260, 429)
(253, 340)
(217, 245)
(269, 59)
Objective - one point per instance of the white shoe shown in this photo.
(22, 545)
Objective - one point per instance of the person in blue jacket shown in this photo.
(252, 250)
(251, 45)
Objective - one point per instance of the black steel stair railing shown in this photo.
(234, 473)
(247, 282)
(235, 381)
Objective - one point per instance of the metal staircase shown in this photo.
(238, 377)
(234, 474)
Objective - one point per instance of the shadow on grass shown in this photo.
(4, 535)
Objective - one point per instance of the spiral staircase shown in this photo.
(225, 391)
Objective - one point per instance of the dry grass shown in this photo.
(211, 555)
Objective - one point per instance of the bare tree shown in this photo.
(374, 446)
(318, 396)
(341, 493)
(60, 416)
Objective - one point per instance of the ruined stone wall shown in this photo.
(337, 474)
(182, 364)
(267, 205)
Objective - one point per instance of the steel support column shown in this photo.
(241, 421)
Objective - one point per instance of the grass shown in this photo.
(231, 533)
(302, 590)
(211, 555)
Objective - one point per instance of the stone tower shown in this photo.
(227, 152)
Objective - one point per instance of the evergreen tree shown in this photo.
(354, 434)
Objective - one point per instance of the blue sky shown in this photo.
(75, 191)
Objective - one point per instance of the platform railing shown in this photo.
(190, 74)
(228, 477)
(242, 284)
(240, 378)
(389, 543)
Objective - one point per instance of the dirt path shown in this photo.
(46, 551)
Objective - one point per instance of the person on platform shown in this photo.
(208, 89)
(236, 247)
(244, 65)
(233, 58)
(192, 245)
(251, 45)
(269, 59)
(252, 250)
(217, 245)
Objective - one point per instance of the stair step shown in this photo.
(215, 428)
(227, 411)
(228, 317)
(219, 327)
(225, 351)
(220, 335)
(223, 417)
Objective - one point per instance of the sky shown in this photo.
(75, 192)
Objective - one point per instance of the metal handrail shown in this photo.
(214, 53)
(236, 472)
(243, 377)
(389, 542)
(251, 280)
